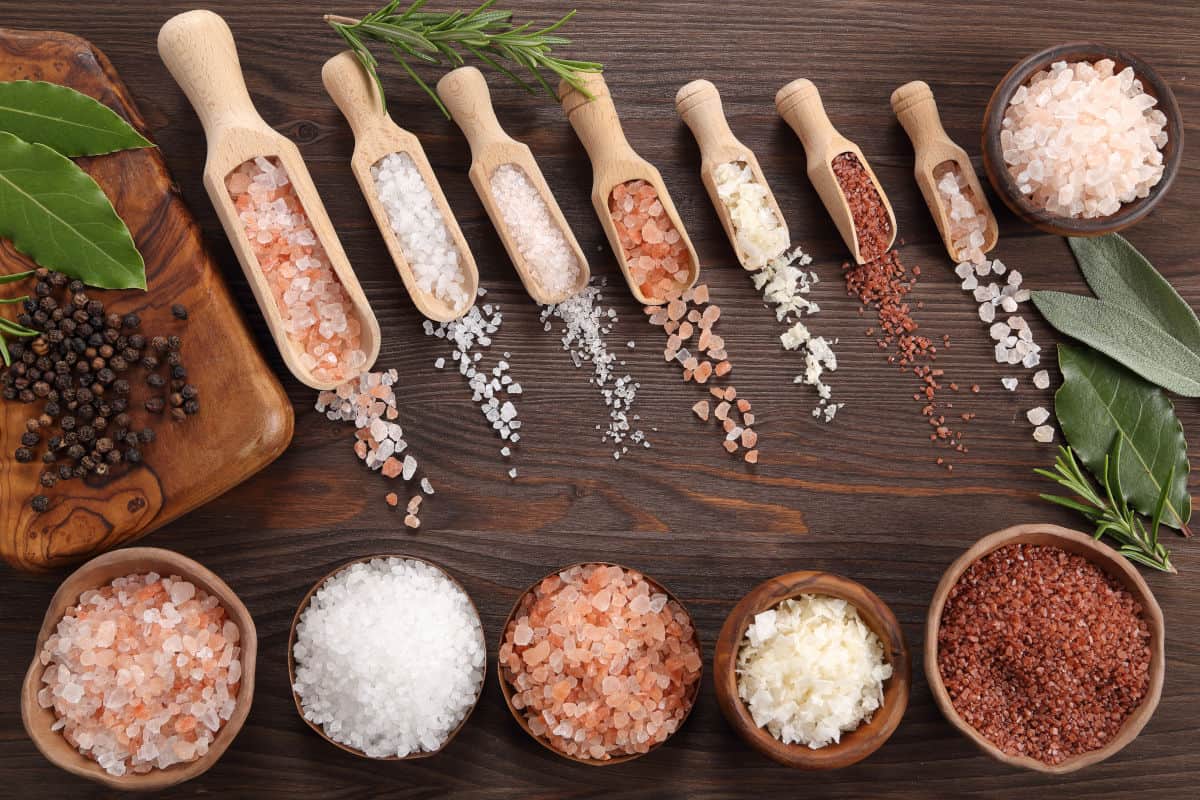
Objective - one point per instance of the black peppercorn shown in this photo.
(155, 380)
(88, 463)
(178, 414)
(118, 364)
(179, 311)
(103, 445)
(113, 456)
(150, 363)
(48, 479)
(32, 424)
(174, 342)
(137, 341)
(106, 375)
(100, 469)
(133, 455)
(113, 320)
(23, 455)
(87, 434)
(175, 399)
(48, 457)
(30, 438)
(159, 343)
(131, 439)
(147, 435)
(132, 321)
(65, 471)
(179, 373)
(79, 299)
(40, 503)
(76, 452)
(123, 420)
(154, 405)
(174, 358)
(55, 443)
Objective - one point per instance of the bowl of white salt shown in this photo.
(1082, 139)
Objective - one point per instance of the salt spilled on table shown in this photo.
(390, 657)
(142, 673)
(317, 314)
(540, 240)
(426, 241)
(658, 260)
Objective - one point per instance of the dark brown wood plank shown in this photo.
(862, 497)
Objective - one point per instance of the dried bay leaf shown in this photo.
(57, 215)
(63, 119)
(1101, 400)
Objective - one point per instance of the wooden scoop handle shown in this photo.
(799, 103)
(699, 105)
(595, 121)
(465, 93)
(918, 113)
(199, 52)
(352, 89)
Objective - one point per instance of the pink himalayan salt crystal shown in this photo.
(601, 663)
(317, 314)
(966, 220)
(659, 262)
(142, 673)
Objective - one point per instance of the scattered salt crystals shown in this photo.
(759, 231)
(426, 241)
(967, 220)
(810, 670)
(317, 314)
(1037, 416)
(390, 657)
(1044, 433)
(551, 259)
(1009, 383)
(1041, 379)
(142, 673)
(655, 252)
(586, 323)
(1014, 339)
(602, 663)
(1080, 140)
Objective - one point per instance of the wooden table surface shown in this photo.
(862, 497)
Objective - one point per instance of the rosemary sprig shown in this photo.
(7, 326)
(442, 39)
(1111, 515)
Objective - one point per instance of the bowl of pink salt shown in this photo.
(143, 672)
(599, 663)
(1082, 139)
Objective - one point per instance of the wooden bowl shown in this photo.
(507, 690)
(854, 745)
(99, 572)
(1006, 186)
(291, 661)
(1102, 556)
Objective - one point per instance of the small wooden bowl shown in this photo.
(291, 660)
(1102, 556)
(99, 572)
(854, 745)
(1006, 186)
(507, 690)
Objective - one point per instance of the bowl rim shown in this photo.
(507, 690)
(171, 562)
(1113, 564)
(1004, 184)
(874, 612)
(291, 658)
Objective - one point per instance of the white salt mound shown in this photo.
(1080, 140)
(810, 670)
(390, 656)
(760, 233)
(538, 238)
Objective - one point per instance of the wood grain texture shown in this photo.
(861, 498)
(191, 462)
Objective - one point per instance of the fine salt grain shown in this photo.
(390, 657)
(539, 239)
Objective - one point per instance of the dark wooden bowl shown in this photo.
(1002, 180)
(507, 690)
(99, 572)
(291, 661)
(1102, 556)
(854, 745)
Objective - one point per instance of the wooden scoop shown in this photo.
(799, 103)
(614, 162)
(699, 105)
(465, 93)
(376, 136)
(936, 152)
(198, 49)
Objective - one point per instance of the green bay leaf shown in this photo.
(63, 119)
(1119, 331)
(57, 215)
(1099, 401)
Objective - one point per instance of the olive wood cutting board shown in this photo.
(245, 419)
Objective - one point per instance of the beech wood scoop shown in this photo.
(377, 136)
(699, 105)
(199, 51)
(799, 103)
(935, 151)
(615, 162)
(465, 93)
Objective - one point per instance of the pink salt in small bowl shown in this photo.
(100, 572)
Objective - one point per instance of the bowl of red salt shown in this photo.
(1082, 139)
(599, 663)
(124, 637)
(1045, 648)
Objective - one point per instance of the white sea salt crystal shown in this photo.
(1009, 383)
(539, 239)
(1044, 433)
(1041, 379)
(1037, 416)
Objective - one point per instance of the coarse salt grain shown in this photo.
(967, 221)
(550, 258)
(759, 232)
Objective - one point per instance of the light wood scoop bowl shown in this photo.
(1112, 563)
(855, 745)
(199, 51)
(699, 106)
(377, 136)
(935, 152)
(615, 162)
(99, 572)
(465, 93)
(799, 103)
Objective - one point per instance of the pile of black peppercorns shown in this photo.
(76, 368)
